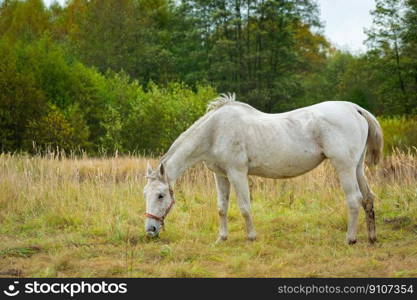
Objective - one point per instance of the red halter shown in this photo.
(161, 219)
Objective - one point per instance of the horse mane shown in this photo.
(212, 106)
(218, 102)
(221, 100)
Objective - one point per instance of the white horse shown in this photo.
(236, 140)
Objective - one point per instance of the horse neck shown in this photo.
(182, 156)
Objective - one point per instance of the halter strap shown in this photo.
(161, 219)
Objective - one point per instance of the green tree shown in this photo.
(385, 40)
(409, 39)
(23, 20)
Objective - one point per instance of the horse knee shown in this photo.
(245, 212)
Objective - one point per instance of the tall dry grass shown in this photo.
(69, 216)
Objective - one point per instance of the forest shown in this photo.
(129, 76)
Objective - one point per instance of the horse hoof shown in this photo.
(221, 239)
(252, 238)
(372, 240)
(351, 242)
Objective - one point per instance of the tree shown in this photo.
(385, 37)
(23, 20)
(409, 39)
(21, 99)
(255, 48)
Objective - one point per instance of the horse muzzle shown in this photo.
(152, 228)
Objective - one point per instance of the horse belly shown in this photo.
(285, 165)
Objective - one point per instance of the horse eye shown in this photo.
(160, 196)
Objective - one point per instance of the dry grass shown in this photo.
(83, 217)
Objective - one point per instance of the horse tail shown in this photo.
(375, 141)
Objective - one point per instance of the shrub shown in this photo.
(399, 132)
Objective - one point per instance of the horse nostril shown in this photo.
(152, 228)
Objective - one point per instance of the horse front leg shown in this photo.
(223, 192)
(239, 180)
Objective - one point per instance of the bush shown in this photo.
(399, 132)
(48, 99)
(149, 121)
(55, 130)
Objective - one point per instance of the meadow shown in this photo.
(80, 216)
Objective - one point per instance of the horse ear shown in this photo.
(161, 172)
(149, 170)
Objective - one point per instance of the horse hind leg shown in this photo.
(347, 175)
(367, 201)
